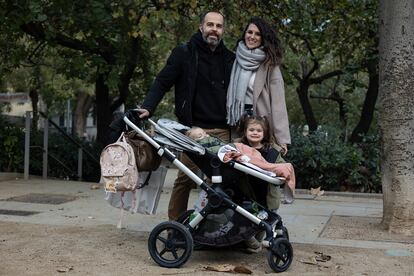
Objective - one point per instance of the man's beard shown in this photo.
(211, 39)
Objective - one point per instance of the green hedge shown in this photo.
(11, 147)
(324, 159)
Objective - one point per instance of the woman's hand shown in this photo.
(284, 149)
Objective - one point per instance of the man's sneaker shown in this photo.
(260, 236)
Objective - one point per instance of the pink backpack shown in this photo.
(118, 167)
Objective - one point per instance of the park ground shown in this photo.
(334, 234)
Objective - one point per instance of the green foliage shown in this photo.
(11, 153)
(325, 36)
(324, 159)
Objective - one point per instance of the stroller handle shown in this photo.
(141, 132)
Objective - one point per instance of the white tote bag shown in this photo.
(149, 195)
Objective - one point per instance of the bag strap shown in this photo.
(121, 137)
(146, 182)
(122, 213)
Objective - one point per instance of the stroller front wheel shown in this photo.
(280, 255)
(285, 233)
(170, 244)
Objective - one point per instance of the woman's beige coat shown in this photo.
(269, 101)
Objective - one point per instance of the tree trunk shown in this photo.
(303, 91)
(368, 108)
(80, 114)
(126, 75)
(103, 110)
(397, 114)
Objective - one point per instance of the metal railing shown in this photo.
(46, 154)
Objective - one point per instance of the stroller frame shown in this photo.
(179, 233)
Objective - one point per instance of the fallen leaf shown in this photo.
(229, 268)
(242, 270)
(65, 269)
(311, 261)
(95, 187)
(316, 192)
(70, 216)
(220, 268)
(322, 257)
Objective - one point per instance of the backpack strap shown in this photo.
(121, 138)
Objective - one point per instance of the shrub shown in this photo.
(11, 147)
(324, 159)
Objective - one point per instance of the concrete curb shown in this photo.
(343, 194)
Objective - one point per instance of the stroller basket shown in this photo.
(171, 243)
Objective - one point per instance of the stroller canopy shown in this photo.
(168, 134)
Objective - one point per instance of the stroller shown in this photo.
(171, 243)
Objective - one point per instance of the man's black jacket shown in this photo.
(181, 71)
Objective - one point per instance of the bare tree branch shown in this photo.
(326, 76)
(103, 48)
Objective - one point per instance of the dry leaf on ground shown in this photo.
(311, 261)
(320, 257)
(65, 269)
(229, 268)
(316, 192)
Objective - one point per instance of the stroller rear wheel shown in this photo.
(280, 255)
(170, 244)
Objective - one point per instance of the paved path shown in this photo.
(306, 219)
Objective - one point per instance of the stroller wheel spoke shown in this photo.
(174, 252)
(162, 239)
(180, 244)
(281, 254)
(163, 251)
(279, 257)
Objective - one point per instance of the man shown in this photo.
(200, 73)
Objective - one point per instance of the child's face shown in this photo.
(197, 133)
(254, 133)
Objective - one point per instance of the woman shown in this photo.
(256, 83)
